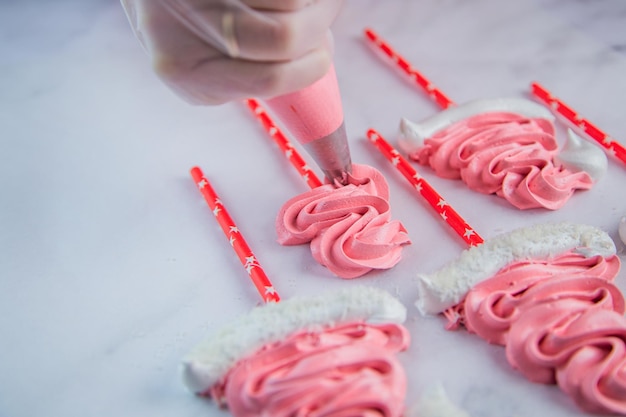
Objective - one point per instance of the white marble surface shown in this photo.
(111, 267)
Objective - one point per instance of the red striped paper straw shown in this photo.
(237, 241)
(297, 161)
(447, 213)
(418, 78)
(589, 129)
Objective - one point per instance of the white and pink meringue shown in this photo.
(505, 147)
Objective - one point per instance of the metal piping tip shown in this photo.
(339, 176)
(332, 155)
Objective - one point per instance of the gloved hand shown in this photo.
(215, 51)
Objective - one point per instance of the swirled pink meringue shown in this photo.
(562, 321)
(349, 370)
(506, 154)
(349, 227)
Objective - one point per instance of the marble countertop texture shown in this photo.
(111, 266)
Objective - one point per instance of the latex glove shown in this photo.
(215, 51)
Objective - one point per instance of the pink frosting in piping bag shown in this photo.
(504, 153)
(349, 227)
(304, 374)
(562, 321)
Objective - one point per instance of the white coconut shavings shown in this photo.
(212, 359)
(446, 287)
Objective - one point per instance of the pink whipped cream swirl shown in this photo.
(344, 371)
(561, 321)
(506, 154)
(349, 227)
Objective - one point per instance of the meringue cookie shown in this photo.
(580, 155)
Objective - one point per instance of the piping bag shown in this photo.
(314, 116)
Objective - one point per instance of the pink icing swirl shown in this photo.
(348, 370)
(506, 154)
(349, 227)
(561, 321)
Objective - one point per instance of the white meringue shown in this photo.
(580, 155)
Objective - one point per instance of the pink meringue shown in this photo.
(503, 152)
(349, 227)
(558, 312)
(303, 374)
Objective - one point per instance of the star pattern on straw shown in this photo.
(230, 229)
(444, 215)
(469, 232)
(442, 203)
(290, 153)
(432, 91)
(607, 140)
(419, 187)
(270, 290)
(589, 129)
(401, 63)
(395, 160)
(251, 262)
